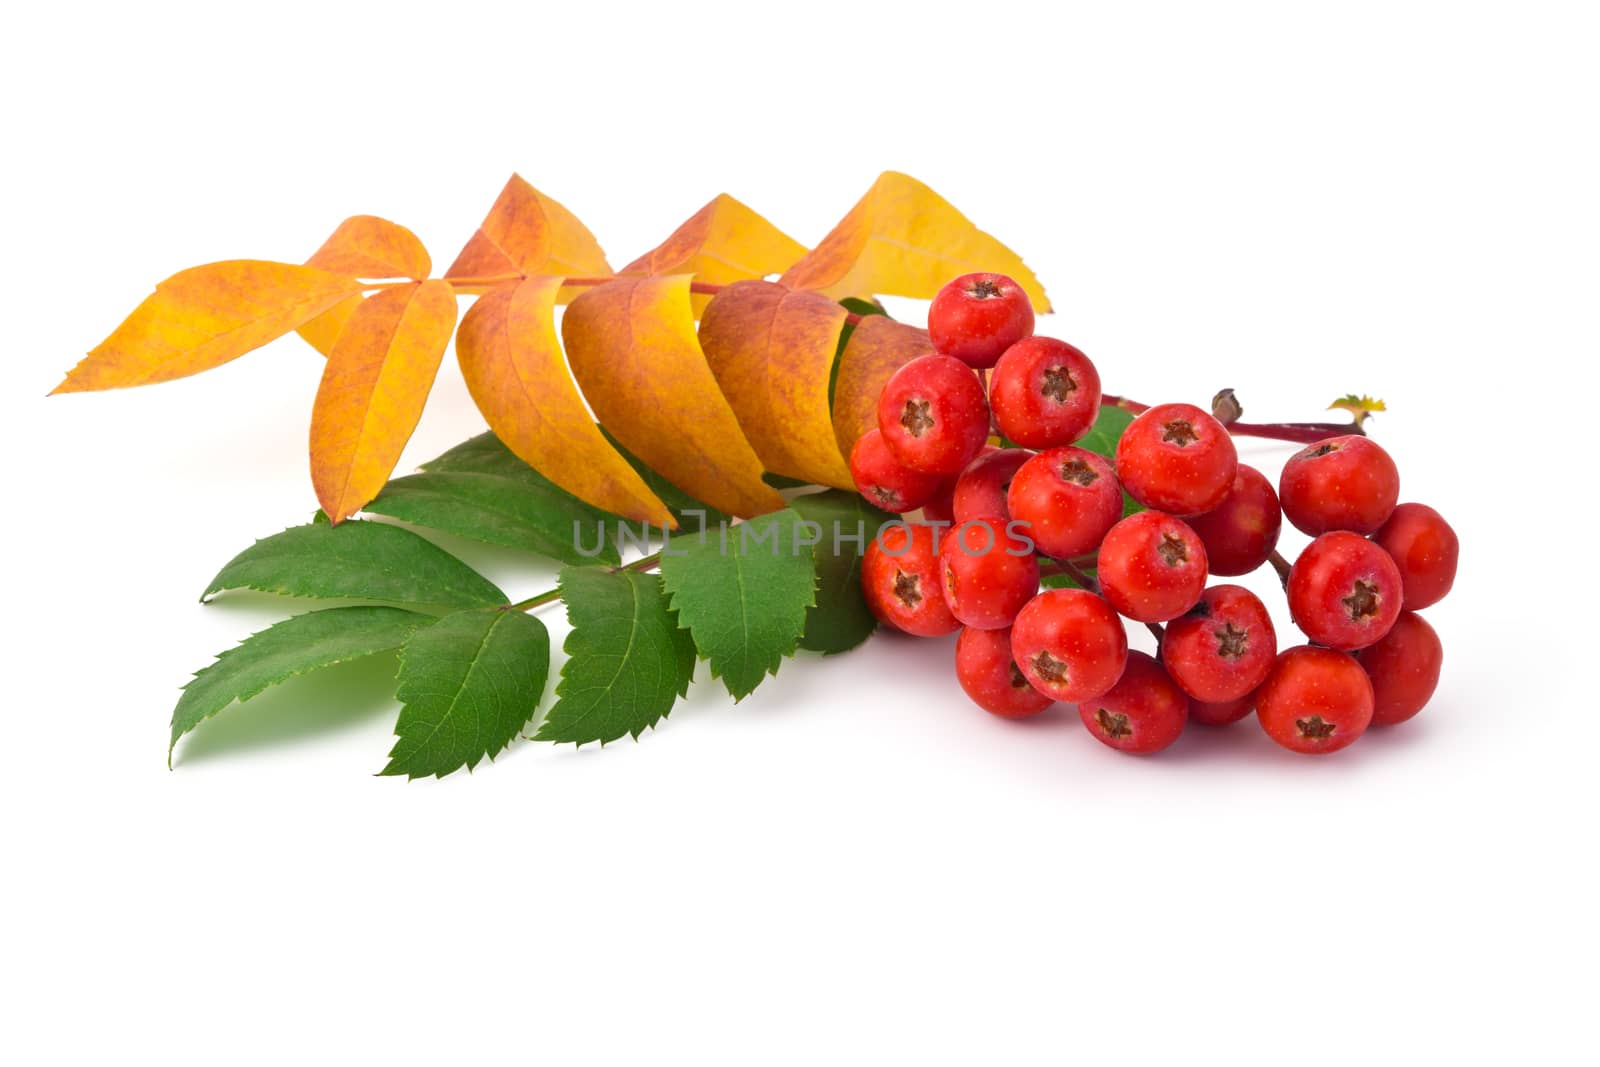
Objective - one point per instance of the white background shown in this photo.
(854, 864)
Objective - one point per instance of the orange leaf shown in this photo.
(772, 351)
(904, 239)
(512, 361)
(528, 233)
(725, 241)
(632, 347)
(364, 246)
(373, 389)
(878, 347)
(203, 317)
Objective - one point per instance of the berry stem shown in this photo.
(1089, 582)
(1303, 432)
(1280, 565)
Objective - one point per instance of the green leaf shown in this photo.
(468, 683)
(514, 512)
(358, 560)
(840, 620)
(692, 515)
(1107, 430)
(782, 481)
(304, 643)
(743, 592)
(627, 660)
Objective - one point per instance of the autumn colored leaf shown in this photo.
(772, 350)
(631, 344)
(373, 389)
(1359, 407)
(205, 316)
(364, 246)
(878, 346)
(513, 365)
(723, 242)
(904, 239)
(528, 233)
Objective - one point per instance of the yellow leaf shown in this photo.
(632, 346)
(878, 347)
(512, 362)
(373, 389)
(528, 233)
(772, 351)
(364, 246)
(1359, 407)
(904, 239)
(205, 316)
(725, 241)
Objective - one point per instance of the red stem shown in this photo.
(1304, 432)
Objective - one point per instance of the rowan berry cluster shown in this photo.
(996, 521)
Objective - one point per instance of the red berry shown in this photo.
(981, 489)
(933, 415)
(1068, 497)
(977, 317)
(1344, 591)
(990, 676)
(1069, 644)
(941, 508)
(1343, 483)
(1143, 713)
(1152, 567)
(1241, 532)
(1403, 668)
(883, 481)
(1425, 549)
(900, 579)
(1223, 648)
(1315, 700)
(1225, 713)
(989, 573)
(1044, 393)
(1177, 458)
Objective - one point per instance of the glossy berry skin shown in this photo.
(977, 317)
(988, 573)
(1143, 713)
(1044, 393)
(1223, 648)
(1241, 532)
(1403, 668)
(1177, 458)
(1069, 497)
(989, 675)
(1425, 549)
(1225, 713)
(934, 416)
(1343, 483)
(1315, 700)
(901, 582)
(884, 483)
(1152, 567)
(1344, 591)
(1069, 644)
(981, 489)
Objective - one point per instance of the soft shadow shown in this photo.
(330, 701)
